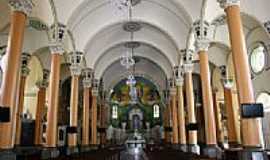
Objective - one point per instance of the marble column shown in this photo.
(94, 113)
(192, 134)
(251, 127)
(75, 70)
(103, 120)
(19, 114)
(232, 115)
(41, 100)
(87, 83)
(179, 81)
(202, 43)
(11, 67)
(218, 118)
(166, 120)
(52, 113)
(174, 112)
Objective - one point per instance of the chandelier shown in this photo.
(127, 60)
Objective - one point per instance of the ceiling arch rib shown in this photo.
(145, 50)
(115, 35)
(89, 21)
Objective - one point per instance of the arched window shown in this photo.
(156, 111)
(114, 112)
(258, 57)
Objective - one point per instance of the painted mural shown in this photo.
(148, 97)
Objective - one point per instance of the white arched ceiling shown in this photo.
(115, 35)
(145, 51)
(144, 66)
(34, 39)
(93, 17)
(42, 10)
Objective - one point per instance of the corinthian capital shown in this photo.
(57, 33)
(56, 48)
(202, 44)
(24, 6)
(227, 3)
(201, 35)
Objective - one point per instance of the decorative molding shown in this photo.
(75, 70)
(202, 44)
(267, 26)
(24, 6)
(24, 64)
(57, 33)
(38, 25)
(87, 83)
(25, 71)
(201, 35)
(132, 26)
(221, 20)
(188, 67)
(56, 48)
(227, 3)
(42, 84)
(173, 91)
(179, 81)
(95, 92)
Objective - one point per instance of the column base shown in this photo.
(50, 153)
(252, 154)
(85, 149)
(72, 150)
(193, 148)
(7, 155)
(212, 151)
(94, 147)
(234, 145)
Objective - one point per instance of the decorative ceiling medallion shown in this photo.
(132, 44)
(135, 2)
(132, 26)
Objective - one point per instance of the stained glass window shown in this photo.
(258, 58)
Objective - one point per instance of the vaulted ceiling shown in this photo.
(95, 27)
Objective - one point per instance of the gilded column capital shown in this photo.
(24, 6)
(201, 29)
(45, 79)
(173, 91)
(42, 84)
(56, 48)
(57, 34)
(202, 44)
(179, 81)
(178, 74)
(75, 59)
(188, 67)
(95, 87)
(24, 64)
(267, 26)
(227, 3)
(95, 92)
(25, 71)
(88, 76)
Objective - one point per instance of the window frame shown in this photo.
(251, 50)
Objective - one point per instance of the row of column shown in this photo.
(13, 84)
(250, 127)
